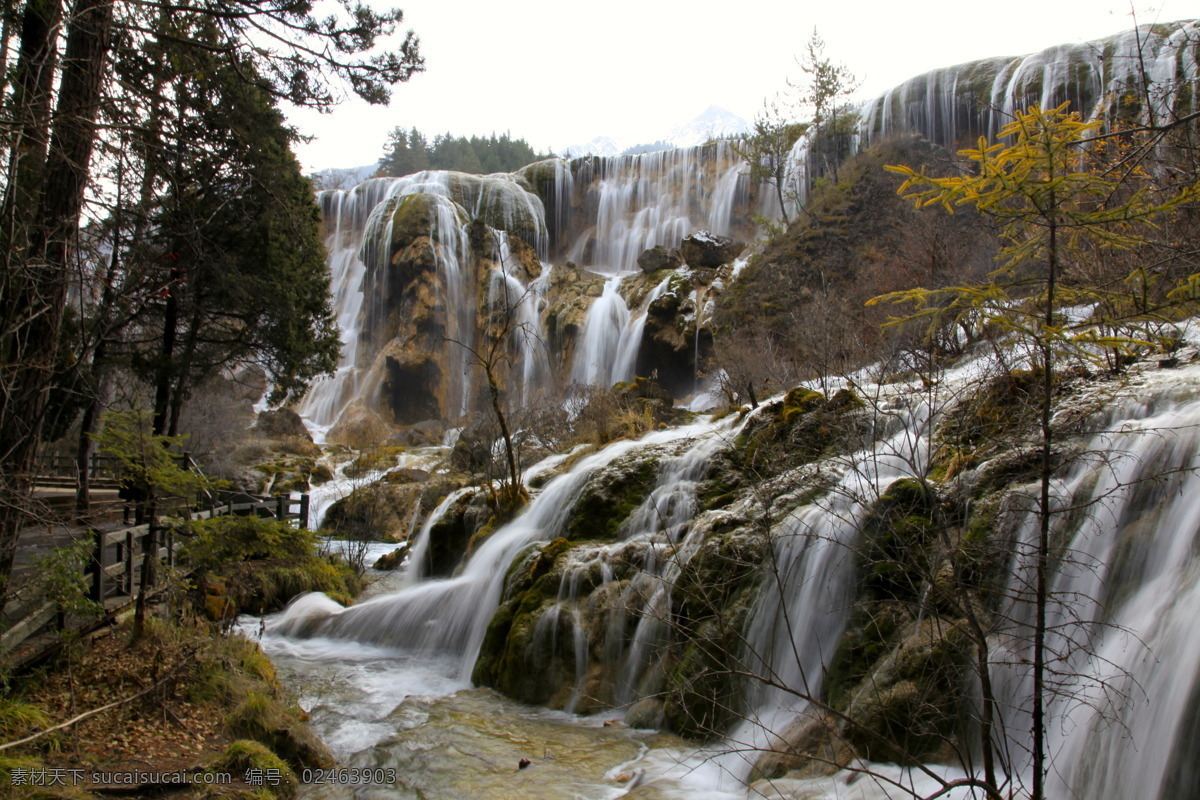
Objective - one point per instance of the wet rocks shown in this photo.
(659, 257)
(703, 249)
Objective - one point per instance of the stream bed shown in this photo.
(413, 722)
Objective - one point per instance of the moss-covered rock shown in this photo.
(252, 565)
(610, 496)
(899, 554)
(391, 560)
(913, 705)
(244, 755)
(800, 429)
(711, 603)
(987, 423)
(809, 745)
(450, 536)
(264, 719)
(526, 661)
(703, 693)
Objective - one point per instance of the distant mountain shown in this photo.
(600, 146)
(713, 123)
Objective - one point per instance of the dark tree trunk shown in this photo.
(164, 372)
(35, 275)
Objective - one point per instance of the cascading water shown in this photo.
(1123, 602)
(954, 106)
(808, 590)
(450, 616)
(514, 307)
(345, 214)
(603, 214)
(1147, 75)
(638, 202)
(608, 351)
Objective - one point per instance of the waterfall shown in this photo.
(809, 585)
(598, 212)
(345, 214)
(953, 106)
(449, 617)
(638, 202)
(1123, 602)
(608, 350)
(519, 305)
(598, 356)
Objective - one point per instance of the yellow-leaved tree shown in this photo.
(1060, 196)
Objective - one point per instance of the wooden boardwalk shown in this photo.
(34, 624)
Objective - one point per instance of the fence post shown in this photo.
(304, 510)
(129, 550)
(97, 567)
(281, 507)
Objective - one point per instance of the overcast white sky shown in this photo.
(558, 74)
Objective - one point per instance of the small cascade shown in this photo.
(810, 582)
(598, 355)
(419, 551)
(516, 307)
(638, 202)
(449, 617)
(608, 350)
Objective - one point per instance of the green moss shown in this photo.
(246, 754)
(723, 567)
(907, 710)
(898, 536)
(802, 400)
(374, 459)
(609, 497)
(711, 599)
(703, 691)
(255, 565)
(512, 659)
(987, 422)
(802, 428)
(265, 719)
(871, 632)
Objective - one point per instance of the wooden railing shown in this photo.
(99, 466)
(114, 571)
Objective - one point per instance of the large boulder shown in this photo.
(703, 249)
(659, 257)
(281, 424)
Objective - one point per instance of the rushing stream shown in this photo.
(386, 681)
(379, 707)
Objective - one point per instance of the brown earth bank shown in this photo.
(186, 712)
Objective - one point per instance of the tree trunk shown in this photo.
(35, 274)
(33, 85)
(146, 576)
(89, 426)
(1042, 562)
(163, 374)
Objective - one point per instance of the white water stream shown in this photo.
(387, 679)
